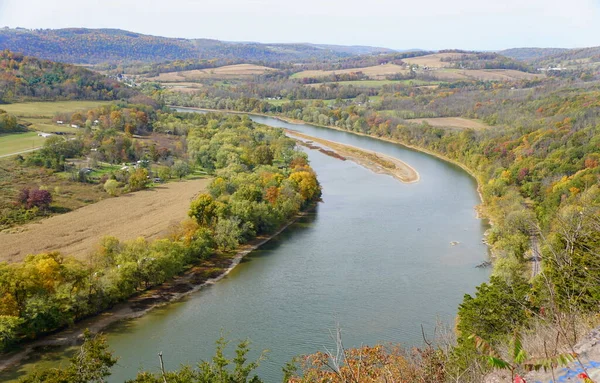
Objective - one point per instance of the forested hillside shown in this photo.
(526, 54)
(23, 77)
(93, 46)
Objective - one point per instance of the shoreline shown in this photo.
(382, 164)
(141, 304)
(299, 122)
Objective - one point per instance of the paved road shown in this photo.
(21, 152)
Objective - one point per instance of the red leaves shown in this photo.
(30, 198)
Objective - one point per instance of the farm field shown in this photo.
(451, 122)
(184, 87)
(481, 74)
(19, 142)
(224, 72)
(433, 60)
(376, 83)
(374, 72)
(48, 109)
(285, 101)
(148, 214)
(40, 114)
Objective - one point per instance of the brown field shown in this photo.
(147, 213)
(375, 72)
(451, 122)
(434, 60)
(481, 74)
(184, 87)
(224, 72)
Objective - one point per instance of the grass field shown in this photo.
(49, 109)
(285, 101)
(377, 83)
(148, 213)
(433, 60)
(451, 122)
(376, 72)
(224, 72)
(40, 114)
(19, 142)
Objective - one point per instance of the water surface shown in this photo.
(375, 256)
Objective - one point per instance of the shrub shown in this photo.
(111, 187)
(30, 198)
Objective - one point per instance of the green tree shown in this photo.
(91, 364)
(111, 187)
(203, 209)
(139, 179)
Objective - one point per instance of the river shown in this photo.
(374, 257)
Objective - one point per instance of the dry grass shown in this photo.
(147, 214)
(481, 74)
(434, 60)
(376, 72)
(183, 87)
(499, 74)
(451, 122)
(225, 72)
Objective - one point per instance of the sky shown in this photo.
(396, 24)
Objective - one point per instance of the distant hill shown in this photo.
(353, 49)
(529, 54)
(27, 78)
(93, 46)
(572, 57)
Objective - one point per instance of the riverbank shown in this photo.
(417, 148)
(374, 161)
(193, 280)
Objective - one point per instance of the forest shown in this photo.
(96, 46)
(28, 78)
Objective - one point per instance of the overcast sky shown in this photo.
(399, 24)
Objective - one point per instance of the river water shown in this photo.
(375, 258)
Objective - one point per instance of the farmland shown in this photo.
(225, 72)
(451, 122)
(19, 142)
(147, 214)
(373, 72)
(434, 60)
(375, 83)
(38, 115)
(48, 109)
